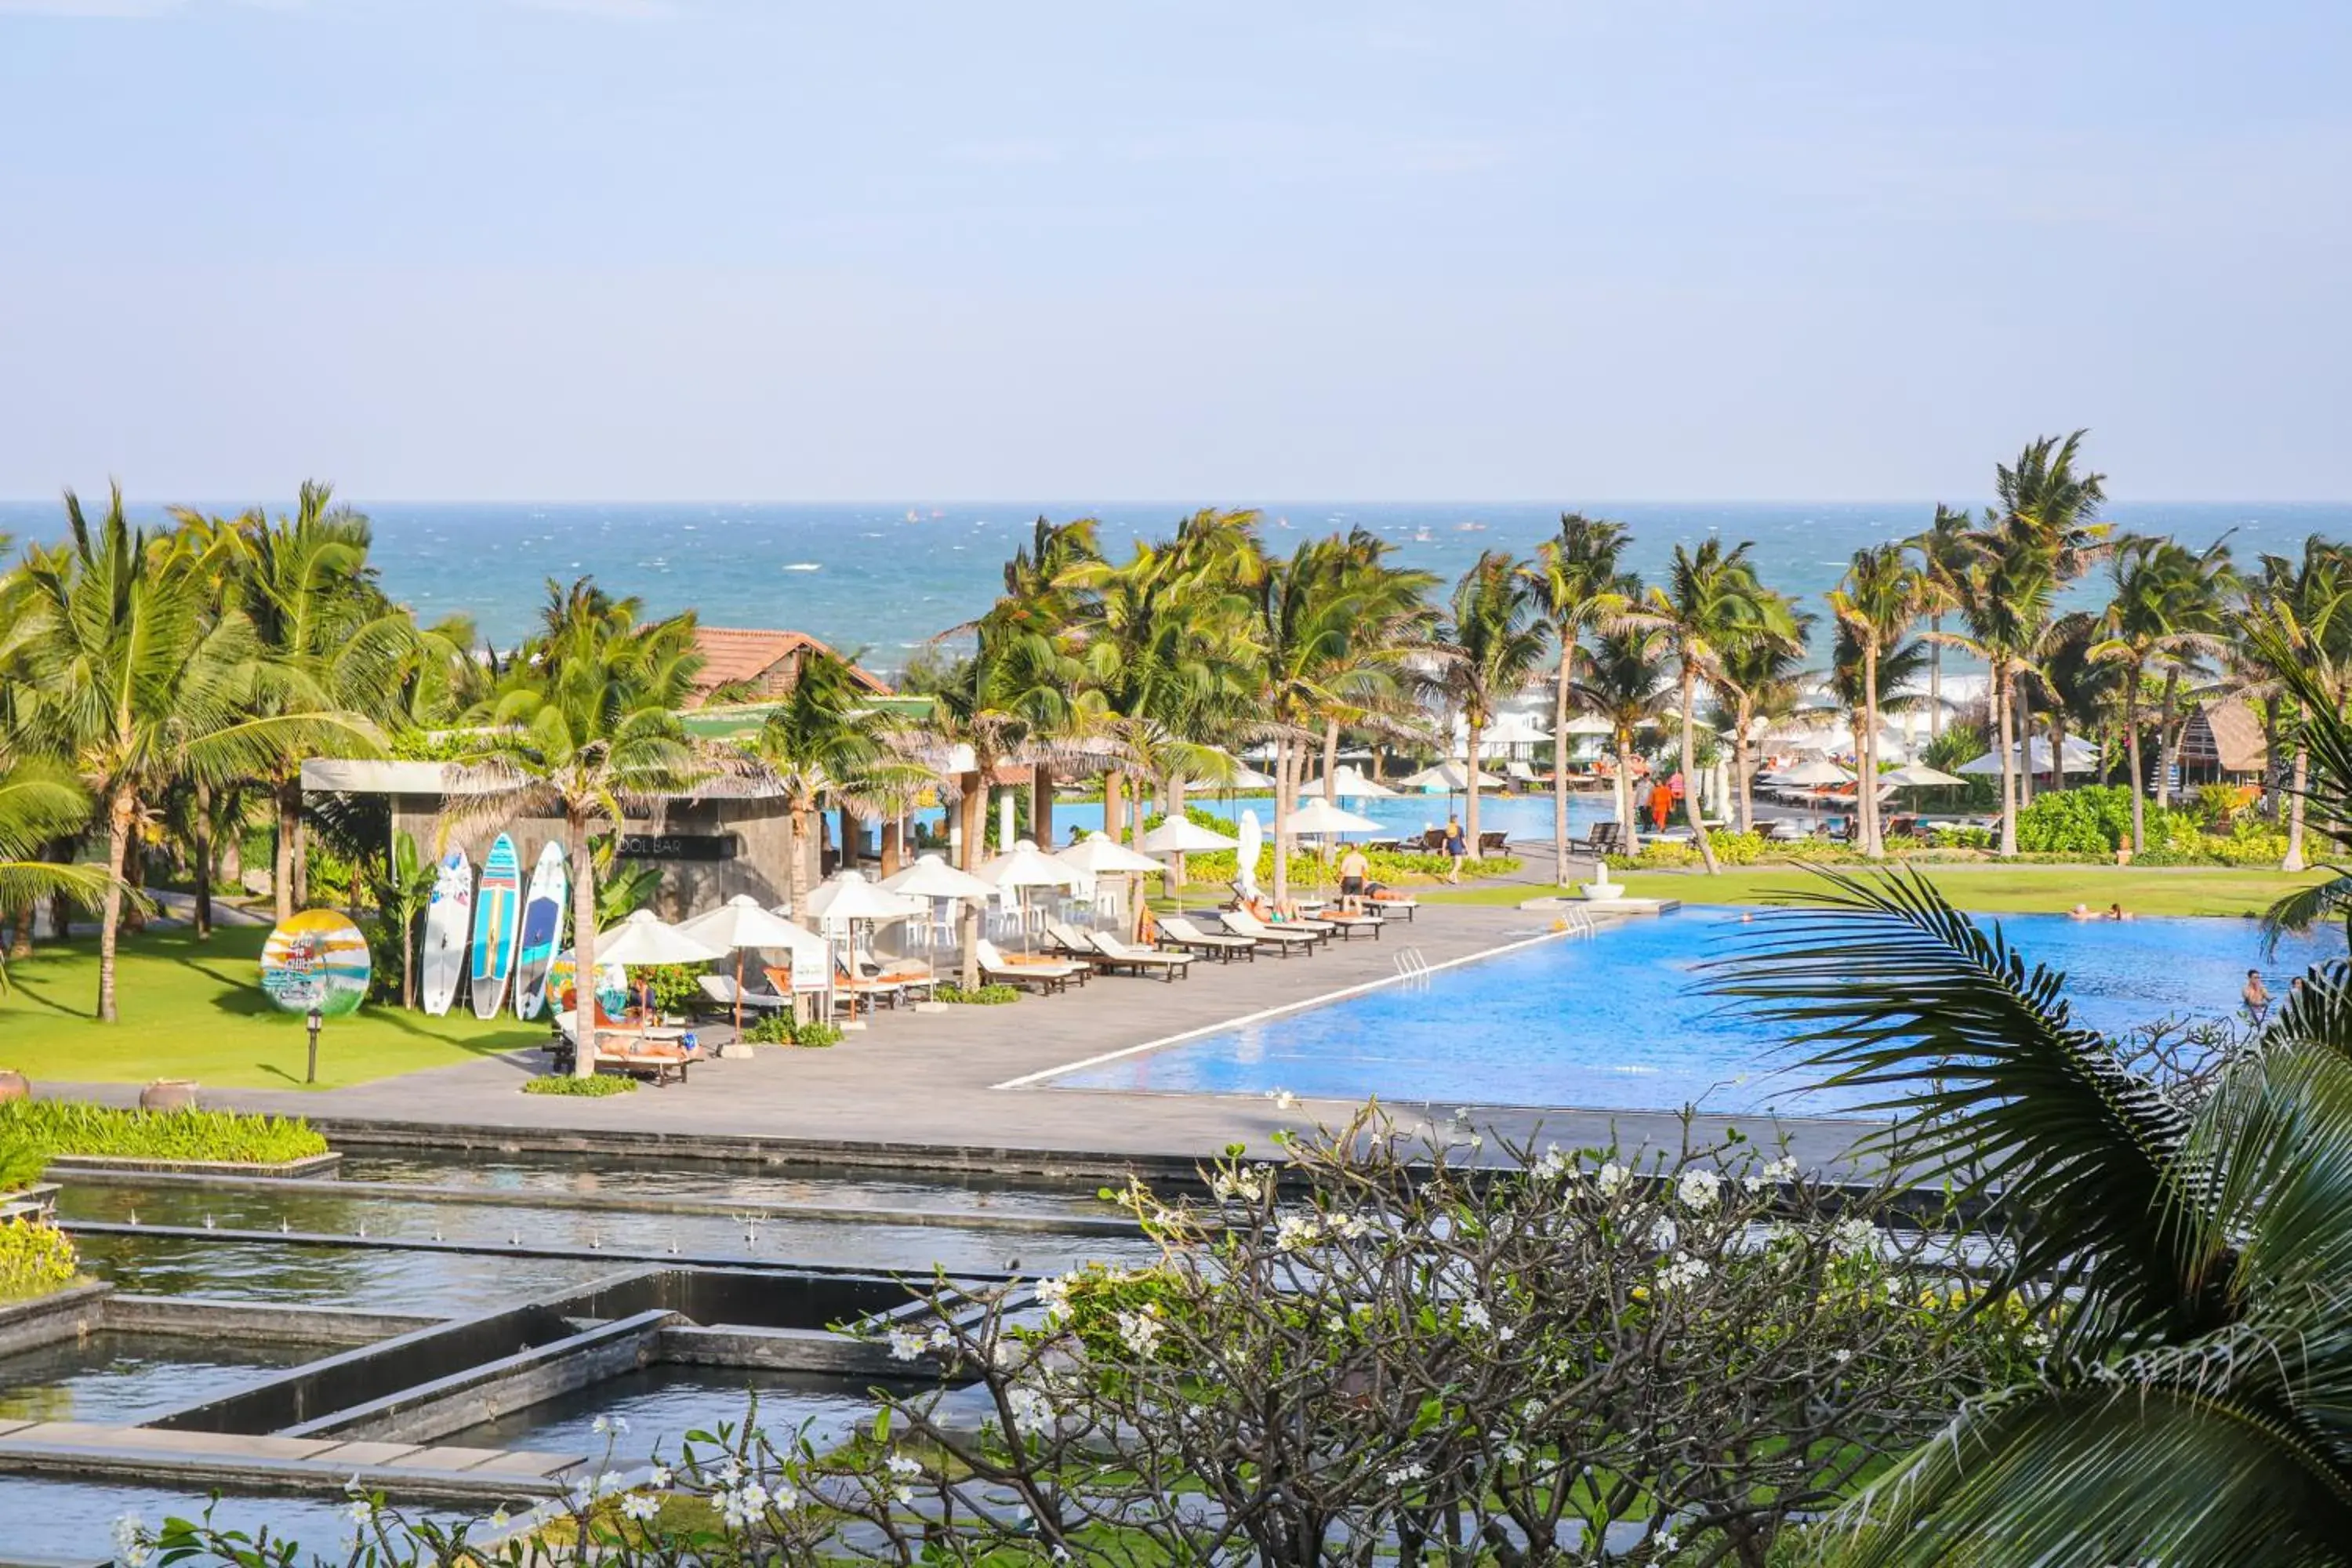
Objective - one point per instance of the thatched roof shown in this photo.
(2229, 734)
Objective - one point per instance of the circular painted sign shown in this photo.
(316, 959)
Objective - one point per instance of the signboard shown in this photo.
(316, 959)
(679, 846)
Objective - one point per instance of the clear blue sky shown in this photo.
(747, 249)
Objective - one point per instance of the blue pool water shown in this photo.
(1617, 1022)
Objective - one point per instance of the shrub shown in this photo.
(2093, 820)
(64, 1127)
(816, 1034)
(771, 1029)
(36, 1258)
(677, 986)
(596, 1088)
(995, 994)
(22, 1160)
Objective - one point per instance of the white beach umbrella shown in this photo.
(1347, 784)
(1918, 774)
(1022, 868)
(2081, 758)
(847, 896)
(930, 877)
(1248, 778)
(1811, 775)
(1447, 778)
(645, 939)
(1097, 855)
(742, 925)
(1321, 816)
(1183, 835)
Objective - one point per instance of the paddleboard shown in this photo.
(543, 930)
(448, 919)
(498, 912)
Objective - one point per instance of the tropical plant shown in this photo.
(824, 741)
(135, 679)
(1761, 682)
(40, 800)
(588, 724)
(2161, 615)
(1489, 645)
(2306, 602)
(1881, 595)
(1628, 684)
(1578, 579)
(403, 891)
(1711, 603)
(1946, 557)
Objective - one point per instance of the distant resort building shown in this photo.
(2224, 743)
(759, 664)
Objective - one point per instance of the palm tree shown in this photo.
(1490, 645)
(1764, 680)
(132, 676)
(819, 742)
(1869, 688)
(1628, 684)
(1576, 573)
(2153, 620)
(1946, 556)
(588, 724)
(40, 801)
(2307, 601)
(305, 585)
(1876, 603)
(1711, 603)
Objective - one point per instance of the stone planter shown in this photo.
(1597, 892)
(169, 1094)
(14, 1086)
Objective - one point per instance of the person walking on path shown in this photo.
(1457, 848)
(1662, 806)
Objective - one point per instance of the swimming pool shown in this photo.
(1617, 1022)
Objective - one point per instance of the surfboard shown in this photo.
(543, 930)
(448, 919)
(498, 910)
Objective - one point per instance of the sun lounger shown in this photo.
(1495, 843)
(1352, 926)
(909, 974)
(662, 1052)
(1218, 945)
(1047, 974)
(721, 989)
(872, 990)
(1068, 941)
(1169, 966)
(1287, 934)
(1393, 906)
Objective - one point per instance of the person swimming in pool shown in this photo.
(2257, 996)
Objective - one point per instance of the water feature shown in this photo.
(1620, 1022)
(661, 1404)
(48, 1519)
(386, 1280)
(124, 1379)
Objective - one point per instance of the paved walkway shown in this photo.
(928, 1079)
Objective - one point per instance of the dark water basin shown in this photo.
(904, 1248)
(43, 1519)
(125, 1379)
(386, 1280)
(661, 1404)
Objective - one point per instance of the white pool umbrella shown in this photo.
(1022, 868)
(1097, 855)
(1179, 837)
(1446, 778)
(1245, 867)
(645, 939)
(742, 925)
(2081, 757)
(1347, 784)
(1321, 816)
(1918, 774)
(1813, 774)
(932, 878)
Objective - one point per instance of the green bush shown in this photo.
(2094, 820)
(22, 1160)
(57, 1127)
(595, 1088)
(816, 1034)
(771, 1029)
(677, 987)
(993, 995)
(36, 1259)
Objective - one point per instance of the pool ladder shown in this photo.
(1412, 968)
(1577, 923)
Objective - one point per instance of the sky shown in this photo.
(613, 250)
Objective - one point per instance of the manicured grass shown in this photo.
(195, 1010)
(1989, 888)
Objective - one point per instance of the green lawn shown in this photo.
(193, 1009)
(1989, 888)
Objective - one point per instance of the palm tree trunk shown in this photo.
(1560, 759)
(1865, 775)
(1475, 728)
(134, 882)
(893, 843)
(289, 802)
(2058, 747)
(204, 866)
(1113, 804)
(1286, 756)
(2024, 742)
(968, 857)
(2007, 749)
(1629, 820)
(1690, 770)
(1934, 678)
(2167, 744)
(796, 870)
(2138, 779)
(1041, 804)
(2293, 861)
(1175, 879)
(584, 938)
(121, 808)
(1331, 761)
(20, 929)
(1743, 808)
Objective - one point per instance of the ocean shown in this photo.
(881, 579)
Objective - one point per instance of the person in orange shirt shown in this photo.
(1662, 806)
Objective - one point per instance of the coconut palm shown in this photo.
(819, 743)
(1490, 646)
(1629, 685)
(586, 725)
(1711, 603)
(1870, 682)
(1577, 576)
(1876, 603)
(2307, 601)
(40, 801)
(2154, 620)
(2192, 1246)
(1946, 555)
(1762, 682)
(133, 677)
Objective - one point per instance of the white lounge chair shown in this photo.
(721, 989)
(1169, 967)
(1218, 945)
(1047, 974)
(1288, 935)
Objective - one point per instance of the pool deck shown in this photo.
(927, 1080)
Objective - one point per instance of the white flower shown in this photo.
(660, 1478)
(1055, 1294)
(1852, 1237)
(1293, 1231)
(1667, 1540)
(1407, 1473)
(1844, 1355)
(1032, 1411)
(1513, 1453)
(1552, 1166)
(732, 1471)
(784, 1497)
(1506, 1333)
(1612, 1178)
(1250, 1185)
(1682, 1271)
(1139, 1331)
(130, 1547)
(1783, 1169)
(1697, 1190)
(905, 1345)
(500, 1518)
(361, 1510)
(639, 1506)
(1476, 1316)
(1664, 1232)
(900, 1465)
(1283, 1098)
(1350, 1225)
(743, 1506)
